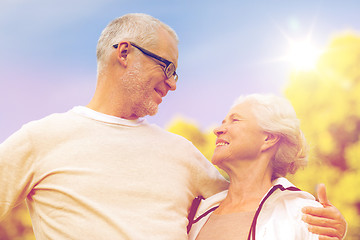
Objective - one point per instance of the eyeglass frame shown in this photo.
(157, 57)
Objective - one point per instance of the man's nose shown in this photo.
(171, 83)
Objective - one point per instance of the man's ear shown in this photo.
(270, 140)
(123, 52)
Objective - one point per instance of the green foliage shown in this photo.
(17, 225)
(204, 141)
(328, 103)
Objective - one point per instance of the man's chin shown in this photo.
(153, 112)
(149, 111)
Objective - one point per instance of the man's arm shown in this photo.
(16, 171)
(328, 222)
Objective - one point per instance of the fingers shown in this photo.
(321, 193)
(327, 212)
(319, 221)
(326, 221)
(325, 231)
(328, 238)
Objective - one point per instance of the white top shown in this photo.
(279, 217)
(87, 175)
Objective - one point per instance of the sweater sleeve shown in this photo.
(207, 179)
(16, 170)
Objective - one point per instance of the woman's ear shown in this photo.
(123, 52)
(270, 141)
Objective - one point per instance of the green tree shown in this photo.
(203, 140)
(328, 103)
(17, 225)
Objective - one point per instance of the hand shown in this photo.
(328, 222)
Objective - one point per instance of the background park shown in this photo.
(308, 51)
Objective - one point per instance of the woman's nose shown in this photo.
(219, 130)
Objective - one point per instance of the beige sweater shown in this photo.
(87, 175)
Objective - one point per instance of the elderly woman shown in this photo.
(258, 143)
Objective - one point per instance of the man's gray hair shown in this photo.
(277, 116)
(139, 28)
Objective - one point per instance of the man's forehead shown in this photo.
(168, 47)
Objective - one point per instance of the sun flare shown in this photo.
(303, 55)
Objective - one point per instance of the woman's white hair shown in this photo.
(139, 28)
(277, 116)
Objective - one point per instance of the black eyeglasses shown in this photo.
(169, 69)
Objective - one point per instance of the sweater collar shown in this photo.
(98, 116)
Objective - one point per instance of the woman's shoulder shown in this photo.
(288, 200)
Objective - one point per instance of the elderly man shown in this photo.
(101, 171)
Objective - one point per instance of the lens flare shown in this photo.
(303, 55)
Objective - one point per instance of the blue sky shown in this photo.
(227, 48)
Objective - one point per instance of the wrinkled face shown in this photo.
(139, 89)
(239, 138)
(145, 81)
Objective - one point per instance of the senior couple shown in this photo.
(103, 172)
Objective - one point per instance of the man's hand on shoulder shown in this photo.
(328, 222)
